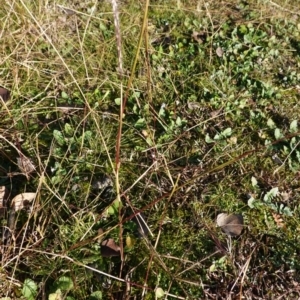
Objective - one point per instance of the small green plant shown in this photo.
(62, 286)
(287, 147)
(223, 135)
(29, 290)
(140, 125)
(269, 201)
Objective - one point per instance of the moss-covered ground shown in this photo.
(198, 116)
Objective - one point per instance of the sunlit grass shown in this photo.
(209, 109)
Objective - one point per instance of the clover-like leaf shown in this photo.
(271, 194)
(29, 289)
(253, 181)
(55, 296)
(159, 292)
(64, 283)
(58, 136)
(96, 295)
(208, 139)
(294, 126)
(277, 133)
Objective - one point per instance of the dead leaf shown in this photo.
(100, 235)
(145, 133)
(216, 113)
(197, 36)
(22, 200)
(219, 52)
(232, 224)
(4, 94)
(193, 105)
(109, 248)
(278, 220)
(66, 10)
(286, 196)
(25, 165)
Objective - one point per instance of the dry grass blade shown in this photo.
(3, 199)
(143, 228)
(118, 35)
